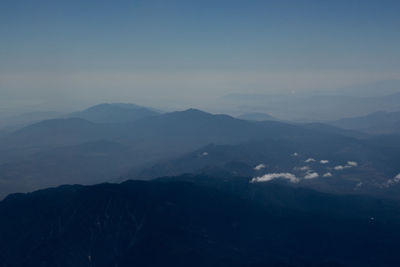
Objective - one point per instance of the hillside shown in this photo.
(179, 223)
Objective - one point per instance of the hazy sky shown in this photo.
(60, 54)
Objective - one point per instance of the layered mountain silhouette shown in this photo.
(72, 150)
(220, 191)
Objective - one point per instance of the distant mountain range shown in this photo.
(309, 108)
(25, 153)
(257, 117)
(196, 221)
(220, 191)
(102, 113)
(375, 123)
(76, 150)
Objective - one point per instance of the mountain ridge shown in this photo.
(234, 224)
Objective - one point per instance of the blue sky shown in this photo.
(192, 50)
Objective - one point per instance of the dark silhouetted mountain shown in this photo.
(257, 117)
(196, 221)
(374, 123)
(115, 113)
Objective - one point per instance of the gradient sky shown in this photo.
(74, 53)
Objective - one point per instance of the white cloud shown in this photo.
(352, 163)
(304, 168)
(295, 154)
(309, 160)
(259, 167)
(327, 174)
(339, 167)
(393, 181)
(205, 154)
(271, 176)
(311, 175)
(324, 161)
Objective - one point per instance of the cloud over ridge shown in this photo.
(271, 176)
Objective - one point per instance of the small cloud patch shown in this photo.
(271, 176)
(304, 168)
(324, 161)
(327, 174)
(259, 167)
(339, 167)
(393, 181)
(309, 160)
(311, 175)
(352, 163)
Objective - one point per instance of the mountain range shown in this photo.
(191, 188)
(76, 150)
(309, 107)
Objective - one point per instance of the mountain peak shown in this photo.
(114, 113)
(191, 112)
(115, 105)
(195, 111)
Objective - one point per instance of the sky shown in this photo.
(70, 54)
